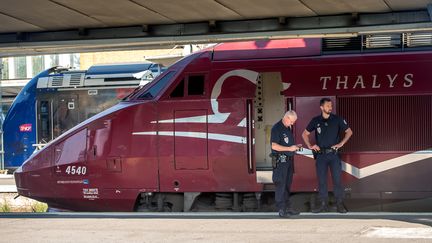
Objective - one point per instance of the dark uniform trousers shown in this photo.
(323, 162)
(282, 178)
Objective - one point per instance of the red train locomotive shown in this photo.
(198, 136)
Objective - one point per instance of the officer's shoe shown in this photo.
(292, 212)
(322, 208)
(340, 208)
(283, 214)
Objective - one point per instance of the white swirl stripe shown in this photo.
(381, 166)
(358, 173)
(202, 135)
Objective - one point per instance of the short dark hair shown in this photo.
(324, 100)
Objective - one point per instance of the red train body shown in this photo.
(203, 127)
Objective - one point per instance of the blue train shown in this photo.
(57, 99)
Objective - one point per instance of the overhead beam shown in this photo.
(156, 36)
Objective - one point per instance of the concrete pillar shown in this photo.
(29, 67)
(11, 65)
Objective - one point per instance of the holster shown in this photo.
(274, 158)
(314, 153)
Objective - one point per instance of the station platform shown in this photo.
(7, 184)
(9, 202)
(216, 227)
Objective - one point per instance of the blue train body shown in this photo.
(42, 111)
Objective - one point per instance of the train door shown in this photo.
(44, 121)
(270, 106)
(183, 134)
(65, 113)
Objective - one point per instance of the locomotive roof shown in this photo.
(267, 49)
(119, 68)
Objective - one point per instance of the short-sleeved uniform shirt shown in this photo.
(283, 136)
(327, 131)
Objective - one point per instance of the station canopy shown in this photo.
(59, 26)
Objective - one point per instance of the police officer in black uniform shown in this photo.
(328, 128)
(283, 149)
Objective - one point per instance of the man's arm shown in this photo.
(347, 136)
(305, 137)
(281, 148)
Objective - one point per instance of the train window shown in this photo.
(196, 85)
(44, 107)
(45, 122)
(157, 87)
(179, 90)
(65, 115)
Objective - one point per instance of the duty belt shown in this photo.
(327, 151)
(284, 158)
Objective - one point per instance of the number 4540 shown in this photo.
(76, 170)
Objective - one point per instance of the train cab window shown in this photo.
(178, 91)
(157, 87)
(45, 122)
(196, 85)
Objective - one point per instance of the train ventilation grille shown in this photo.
(342, 44)
(382, 41)
(57, 81)
(418, 39)
(75, 80)
(377, 43)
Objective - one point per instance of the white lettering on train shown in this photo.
(362, 81)
(408, 80)
(76, 170)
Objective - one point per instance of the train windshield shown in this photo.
(136, 90)
(153, 90)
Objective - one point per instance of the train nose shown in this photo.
(20, 181)
(23, 181)
(33, 177)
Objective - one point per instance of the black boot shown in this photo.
(340, 208)
(283, 214)
(292, 211)
(322, 208)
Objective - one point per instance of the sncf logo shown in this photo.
(25, 127)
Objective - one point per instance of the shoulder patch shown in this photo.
(286, 139)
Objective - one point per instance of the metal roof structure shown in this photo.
(58, 26)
